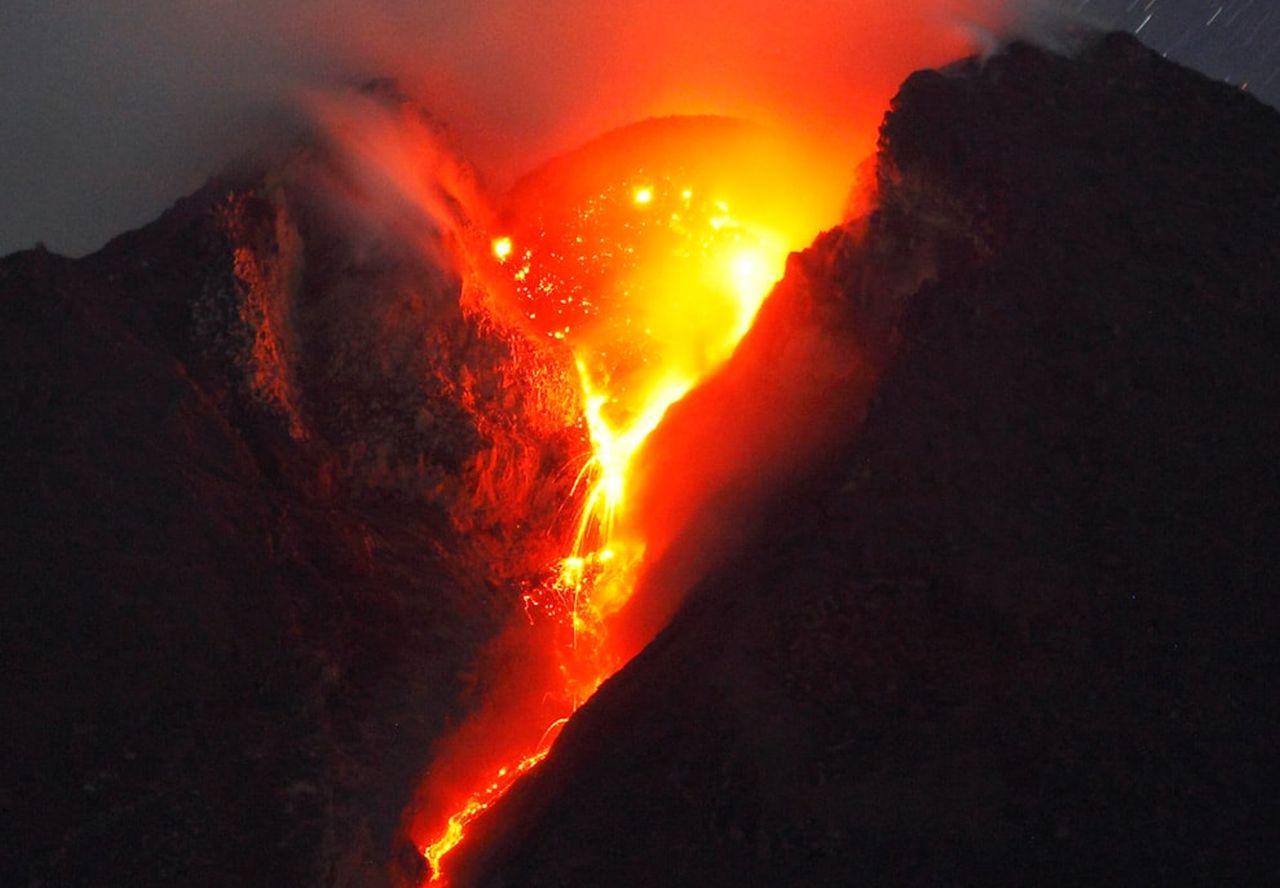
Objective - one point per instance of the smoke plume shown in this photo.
(110, 111)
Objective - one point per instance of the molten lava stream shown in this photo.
(648, 254)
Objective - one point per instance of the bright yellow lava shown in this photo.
(650, 283)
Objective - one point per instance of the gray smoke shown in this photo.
(110, 111)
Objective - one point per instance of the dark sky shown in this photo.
(110, 111)
(1233, 40)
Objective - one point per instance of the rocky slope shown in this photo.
(236, 445)
(1020, 627)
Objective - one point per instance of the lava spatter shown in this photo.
(645, 257)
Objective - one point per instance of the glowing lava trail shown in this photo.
(647, 256)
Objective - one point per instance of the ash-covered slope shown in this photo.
(234, 446)
(1023, 629)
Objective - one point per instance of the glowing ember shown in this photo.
(639, 262)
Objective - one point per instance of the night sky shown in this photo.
(1233, 40)
(110, 113)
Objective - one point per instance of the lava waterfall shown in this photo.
(639, 261)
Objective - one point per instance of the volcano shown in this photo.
(949, 553)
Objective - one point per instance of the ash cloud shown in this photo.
(112, 111)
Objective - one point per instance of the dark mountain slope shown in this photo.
(235, 445)
(1022, 630)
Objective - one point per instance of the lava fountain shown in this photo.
(642, 258)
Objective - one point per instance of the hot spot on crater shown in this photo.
(641, 259)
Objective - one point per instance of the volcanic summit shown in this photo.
(346, 546)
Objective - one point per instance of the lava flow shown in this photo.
(644, 257)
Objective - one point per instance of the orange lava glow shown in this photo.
(644, 257)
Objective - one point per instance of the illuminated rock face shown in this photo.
(1020, 627)
(235, 445)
